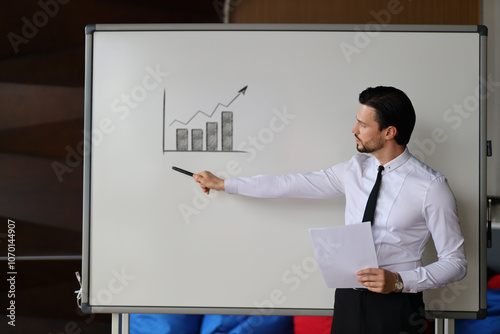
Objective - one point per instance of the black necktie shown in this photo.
(372, 199)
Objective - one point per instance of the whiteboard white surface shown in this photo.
(157, 243)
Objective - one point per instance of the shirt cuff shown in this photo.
(231, 186)
(409, 281)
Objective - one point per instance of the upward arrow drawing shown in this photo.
(241, 91)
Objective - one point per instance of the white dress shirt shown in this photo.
(414, 203)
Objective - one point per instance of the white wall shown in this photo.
(491, 18)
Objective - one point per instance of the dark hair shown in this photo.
(393, 108)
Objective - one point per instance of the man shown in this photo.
(413, 203)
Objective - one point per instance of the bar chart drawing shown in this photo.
(215, 135)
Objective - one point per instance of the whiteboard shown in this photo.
(242, 100)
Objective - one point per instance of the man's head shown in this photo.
(392, 108)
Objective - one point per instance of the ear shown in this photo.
(390, 132)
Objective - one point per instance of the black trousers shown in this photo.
(366, 312)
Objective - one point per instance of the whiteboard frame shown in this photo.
(90, 29)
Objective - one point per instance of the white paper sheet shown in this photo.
(342, 251)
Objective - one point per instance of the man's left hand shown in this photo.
(378, 280)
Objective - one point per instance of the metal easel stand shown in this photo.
(119, 323)
(444, 326)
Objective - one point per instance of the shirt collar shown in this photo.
(396, 162)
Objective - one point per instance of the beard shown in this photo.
(370, 146)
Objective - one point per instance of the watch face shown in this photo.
(399, 285)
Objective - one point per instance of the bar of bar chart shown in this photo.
(214, 135)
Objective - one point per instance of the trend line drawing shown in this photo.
(241, 91)
(211, 136)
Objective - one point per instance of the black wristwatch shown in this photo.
(399, 283)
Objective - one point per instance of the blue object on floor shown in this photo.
(165, 324)
(489, 325)
(209, 324)
(243, 324)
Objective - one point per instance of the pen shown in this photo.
(183, 171)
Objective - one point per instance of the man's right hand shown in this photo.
(209, 181)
